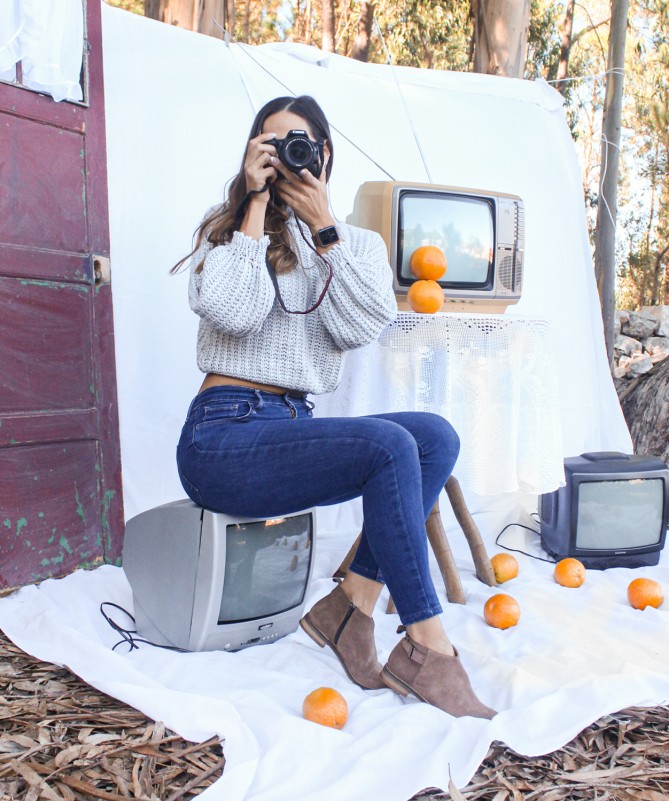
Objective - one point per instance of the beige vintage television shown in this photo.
(482, 234)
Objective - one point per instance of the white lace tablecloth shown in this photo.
(492, 376)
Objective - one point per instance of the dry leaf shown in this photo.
(456, 795)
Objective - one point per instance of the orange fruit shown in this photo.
(643, 592)
(425, 296)
(326, 706)
(569, 572)
(501, 611)
(505, 567)
(428, 261)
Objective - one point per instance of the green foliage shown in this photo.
(136, 6)
(544, 39)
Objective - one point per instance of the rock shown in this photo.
(658, 357)
(661, 314)
(627, 345)
(640, 363)
(621, 371)
(640, 324)
(655, 345)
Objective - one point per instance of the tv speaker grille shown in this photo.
(518, 272)
(506, 271)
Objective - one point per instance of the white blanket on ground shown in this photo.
(577, 654)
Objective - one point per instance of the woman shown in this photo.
(283, 290)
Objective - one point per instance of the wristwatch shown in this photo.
(326, 236)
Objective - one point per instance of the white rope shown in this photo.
(389, 61)
(608, 144)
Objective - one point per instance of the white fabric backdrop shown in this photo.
(47, 36)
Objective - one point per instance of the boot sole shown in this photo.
(404, 689)
(320, 639)
(400, 687)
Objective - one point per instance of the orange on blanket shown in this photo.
(505, 567)
(569, 572)
(327, 707)
(643, 592)
(501, 611)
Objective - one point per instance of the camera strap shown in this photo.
(275, 280)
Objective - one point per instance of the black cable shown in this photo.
(517, 550)
(127, 634)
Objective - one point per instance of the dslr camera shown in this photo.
(298, 152)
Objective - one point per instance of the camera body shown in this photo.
(298, 152)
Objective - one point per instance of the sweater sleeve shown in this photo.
(233, 291)
(360, 301)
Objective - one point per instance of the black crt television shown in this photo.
(612, 512)
(481, 232)
(202, 580)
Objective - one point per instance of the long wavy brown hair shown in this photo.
(219, 226)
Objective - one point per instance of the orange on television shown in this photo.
(482, 234)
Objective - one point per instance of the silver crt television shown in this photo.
(206, 581)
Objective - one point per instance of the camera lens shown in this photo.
(298, 153)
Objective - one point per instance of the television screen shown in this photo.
(266, 567)
(619, 514)
(461, 226)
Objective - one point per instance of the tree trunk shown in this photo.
(361, 44)
(646, 410)
(247, 21)
(230, 16)
(212, 16)
(500, 36)
(328, 25)
(567, 27)
(605, 235)
(205, 16)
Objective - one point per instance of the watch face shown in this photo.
(327, 236)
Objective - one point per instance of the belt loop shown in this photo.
(290, 405)
(261, 402)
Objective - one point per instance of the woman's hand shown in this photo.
(306, 195)
(258, 168)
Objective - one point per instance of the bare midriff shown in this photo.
(218, 380)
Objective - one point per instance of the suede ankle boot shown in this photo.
(432, 677)
(337, 622)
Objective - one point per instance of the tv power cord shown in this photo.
(534, 516)
(127, 635)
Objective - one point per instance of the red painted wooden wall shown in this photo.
(60, 472)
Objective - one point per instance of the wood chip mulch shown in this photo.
(64, 741)
(621, 757)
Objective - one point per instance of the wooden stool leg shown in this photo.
(484, 571)
(342, 570)
(444, 556)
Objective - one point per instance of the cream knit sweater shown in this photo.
(244, 332)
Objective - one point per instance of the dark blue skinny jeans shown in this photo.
(260, 454)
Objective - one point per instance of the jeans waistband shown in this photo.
(236, 393)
